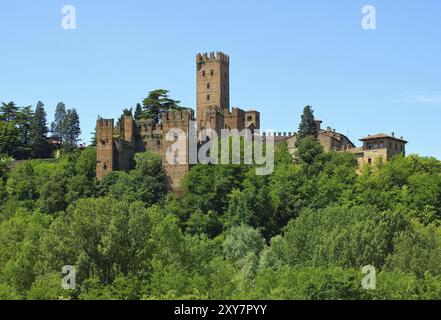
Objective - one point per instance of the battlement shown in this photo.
(212, 56)
(236, 111)
(279, 135)
(178, 115)
(105, 123)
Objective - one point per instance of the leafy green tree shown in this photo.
(102, 237)
(338, 236)
(9, 138)
(147, 182)
(8, 293)
(20, 119)
(19, 238)
(21, 184)
(207, 187)
(47, 287)
(308, 151)
(417, 251)
(309, 284)
(289, 193)
(8, 112)
(242, 246)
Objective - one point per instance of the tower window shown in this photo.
(208, 97)
(212, 72)
(203, 73)
(208, 85)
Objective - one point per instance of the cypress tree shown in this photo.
(307, 125)
(38, 133)
(71, 128)
(57, 126)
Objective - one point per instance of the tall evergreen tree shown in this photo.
(138, 111)
(71, 127)
(308, 127)
(23, 123)
(57, 126)
(38, 133)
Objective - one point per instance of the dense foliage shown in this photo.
(303, 232)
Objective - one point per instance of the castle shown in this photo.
(116, 146)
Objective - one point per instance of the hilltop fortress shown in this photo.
(116, 146)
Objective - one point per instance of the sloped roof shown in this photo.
(381, 135)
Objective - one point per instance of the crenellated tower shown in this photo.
(212, 86)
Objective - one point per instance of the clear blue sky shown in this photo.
(284, 55)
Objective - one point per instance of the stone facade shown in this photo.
(330, 139)
(116, 146)
(213, 96)
(379, 146)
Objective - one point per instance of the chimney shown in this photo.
(393, 134)
(318, 124)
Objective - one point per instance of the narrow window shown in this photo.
(212, 72)
(208, 85)
(203, 73)
(208, 97)
(370, 161)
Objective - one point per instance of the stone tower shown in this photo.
(104, 148)
(180, 120)
(212, 86)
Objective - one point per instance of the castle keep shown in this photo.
(117, 145)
